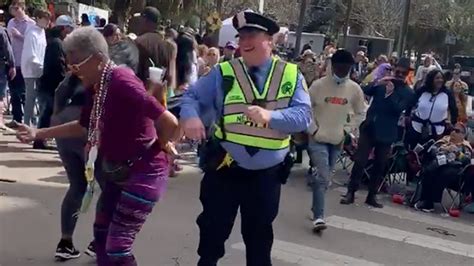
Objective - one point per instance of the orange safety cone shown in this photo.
(398, 199)
(454, 213)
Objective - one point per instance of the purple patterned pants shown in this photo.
(122, 210)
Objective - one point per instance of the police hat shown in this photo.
(250, 20)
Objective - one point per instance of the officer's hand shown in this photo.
(194, 129)
(258, 114)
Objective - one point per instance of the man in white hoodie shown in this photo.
(32, 59)
(333, 98)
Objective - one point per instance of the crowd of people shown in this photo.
(400, 104)
(98, 92)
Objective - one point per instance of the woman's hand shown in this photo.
(169, 148)
(158, 90)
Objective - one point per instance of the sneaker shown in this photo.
(319, 225)
(90, 250)
(424, 207)
(41, 145)
(66, 251)
(13, 124)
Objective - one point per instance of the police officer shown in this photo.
(253, 104)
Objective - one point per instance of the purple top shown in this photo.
(17, 42)
(127, 125)
(381, 71)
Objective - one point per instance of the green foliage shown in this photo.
(36, 4)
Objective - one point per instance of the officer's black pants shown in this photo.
(257, 193)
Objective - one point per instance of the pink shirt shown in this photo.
(127, 124)
(17, 42)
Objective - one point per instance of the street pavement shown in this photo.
(34, 184)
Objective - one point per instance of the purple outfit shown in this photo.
(126, 127)
(381, 71)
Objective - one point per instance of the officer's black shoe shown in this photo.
(348, 198)
(372, 201)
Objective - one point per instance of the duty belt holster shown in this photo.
(212, 153)
(286, 167)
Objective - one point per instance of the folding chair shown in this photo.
(396, 171)
(458, 194)
(346, 157)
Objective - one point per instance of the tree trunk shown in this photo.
(123, 10)
(299, 31)
(346, 23)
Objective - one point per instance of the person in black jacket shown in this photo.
(7, 68)
(54, 72)
(391, 96)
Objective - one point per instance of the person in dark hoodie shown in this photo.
(390, 97)
(54, 72)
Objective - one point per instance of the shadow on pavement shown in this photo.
(60, 179)
(5, 147)
(30, 163)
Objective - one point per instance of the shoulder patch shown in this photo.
(287, 88)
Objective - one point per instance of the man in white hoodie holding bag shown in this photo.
(32, 60)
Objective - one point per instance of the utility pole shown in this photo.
(346, 23)
(299, 30)
(261, 6)
(403, 29)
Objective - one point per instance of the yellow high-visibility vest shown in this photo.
(279, 88)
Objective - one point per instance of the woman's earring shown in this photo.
(100, 67)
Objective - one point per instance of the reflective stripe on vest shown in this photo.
(279, 88)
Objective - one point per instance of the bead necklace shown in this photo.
(98, 105)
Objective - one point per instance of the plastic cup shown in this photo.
(156, 74)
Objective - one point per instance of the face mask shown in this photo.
(339, 80)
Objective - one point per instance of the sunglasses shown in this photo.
(77, 67)
(401, 73)
(458, 130)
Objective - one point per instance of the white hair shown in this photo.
(86, 41)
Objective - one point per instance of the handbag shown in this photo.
(118, 172)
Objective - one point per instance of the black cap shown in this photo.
(250, 20)
(151, 14)
(404, 62)
(342, 56)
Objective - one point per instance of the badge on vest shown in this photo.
(287, 88)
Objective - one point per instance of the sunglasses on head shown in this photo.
(76, 67)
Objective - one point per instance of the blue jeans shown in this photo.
(324, 157)
(31, 86)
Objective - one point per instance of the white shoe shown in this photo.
(319, 225)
